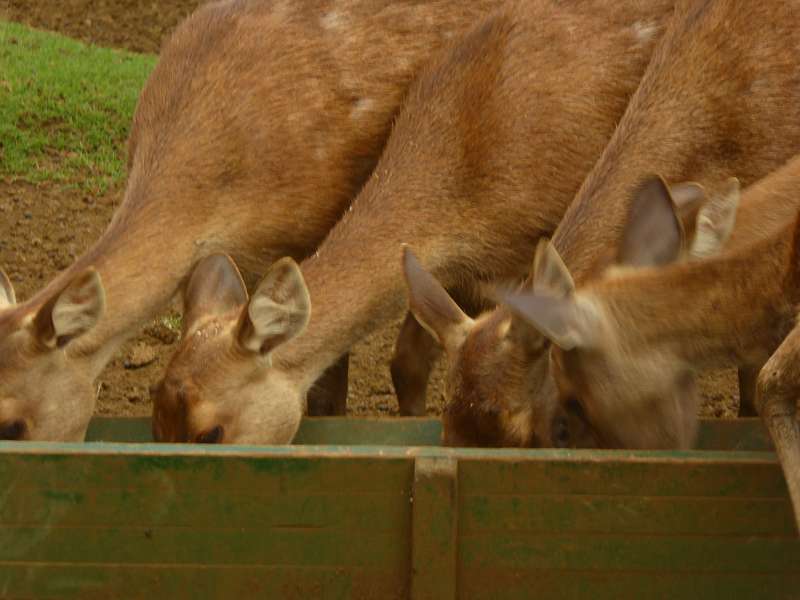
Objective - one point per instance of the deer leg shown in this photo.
(328, 395)
(414, 354)
(777, 392)
(747, 391)
(416, 351)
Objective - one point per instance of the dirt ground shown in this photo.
(137, 25)
(43, 228)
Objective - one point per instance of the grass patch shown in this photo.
(65, 108)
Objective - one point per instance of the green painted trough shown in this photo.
(370, 508)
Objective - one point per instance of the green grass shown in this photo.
(65, 108)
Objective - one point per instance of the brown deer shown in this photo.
(255, 130)
(626, 346)
(494, 139)
(707, 108)
(701, 227)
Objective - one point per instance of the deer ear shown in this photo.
(215, 287)
(550, 277)
(716, 220)
(550, 274)
(653, 235)
(71, 312)
(566, 322)
(7, 297)
(432, 306)
(688, 199)
(278, 311)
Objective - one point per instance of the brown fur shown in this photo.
(480, 356)
(662, 325)
(416, 349)
(723, 81)
(259, 124)
(734, 309)
(494, 140)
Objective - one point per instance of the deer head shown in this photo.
(228, 336)
(46, 393)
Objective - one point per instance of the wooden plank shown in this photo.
(207, 471)
(714, 434)
(635, 474)
(408, 431)
(197, 582)
(210, 544)
(206, 510)
(348, 509)
(607, 552)
(119, 429)
(593, 514)
(501, 584)
(433, 536)
(145, 507)
(733, 434)
(166, 451)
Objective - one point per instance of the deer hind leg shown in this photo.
(416, 352)
(778, 389)
(747, 391)
(328, 395)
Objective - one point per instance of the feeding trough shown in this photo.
(371, 508)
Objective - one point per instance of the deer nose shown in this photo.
(13, 430)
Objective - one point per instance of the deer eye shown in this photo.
(573, 405)
(212, 436)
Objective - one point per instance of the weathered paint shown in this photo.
(434, 529)
(120, 520)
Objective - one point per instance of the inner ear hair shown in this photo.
(550, 275)
(432, 307)
(688, 198)
(7, 296)
(215, 287)
(653, 234)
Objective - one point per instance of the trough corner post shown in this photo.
(434, 519)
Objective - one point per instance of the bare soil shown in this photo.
(43, 228)
(137, 25)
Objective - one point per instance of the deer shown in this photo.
(495, 136)
(702, 227)
(706, 110)
(626, 346)
(256, 129)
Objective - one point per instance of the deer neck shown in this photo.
(731, 310)
(355, 282)
(682, 124)
(480, 164)
(141, 258)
